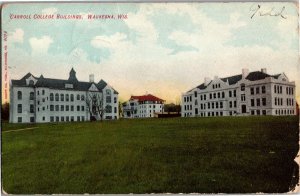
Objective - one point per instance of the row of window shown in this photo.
(284, 112)
(259, 102)
(150, 111)
(66, 97)
(257, 90)
(66, 107)
(289, 102)
(258, 112)
(66, 118)
(278, 90)
(216, 86)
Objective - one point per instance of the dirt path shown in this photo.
(19, 129)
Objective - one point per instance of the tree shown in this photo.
(95, 107)
(5, 111)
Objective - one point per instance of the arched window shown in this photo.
(51, 97)
(242, 87)
(78, 97)
(62, 97)
(19, 95)
(72, 97)
(108, 92)
(82, 97)
(56, 97)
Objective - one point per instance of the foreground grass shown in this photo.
(205, 155)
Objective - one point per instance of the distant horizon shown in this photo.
(164, 49)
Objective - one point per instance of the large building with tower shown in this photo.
(38, 100)
(248, 93)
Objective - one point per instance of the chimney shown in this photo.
(206, 81)
(91, 76)
(264, 70)
(245, 72)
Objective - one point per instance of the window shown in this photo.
(221, 104)
(243, 97)
(217, 104)
(275, 100)
(257, 102)
(82, 118)
(208, 105)
(57, 108)
(67, 118)
(264, 101)
(196, 102)
(223, 94)
(78, 118)
(115, 110)
(195, 93)
(56, 97)
(275, 89)
(214, 95)
(19, 95)
(82, 108)
(234, 93)
(43, 118)
(62, 97)
(205, 97)
(31, 96)
(32, 119)
(212, 105)
(258, 112)
(263, 89)
(51, 97)
(257, 90)
(234, 104)
(264, 112)
(62, 118)
(210, 95)
(108, 92)
(72, 108)
(72, 97)
(252, 91)
(252, 102)
(78, 97)
(201, 97)
(230, 104)
(31, 108)
(108, 99)
(57, 118)
(67, 97)
(242, 87)
(219, 94)
(43, 92)
(51, 107)
(115, 99)
(252, 112)
(280, 89)
(43, 100)
(19, 119)
(230, 94)
(19, 108)
(62, 108)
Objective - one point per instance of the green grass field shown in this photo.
(178, 155)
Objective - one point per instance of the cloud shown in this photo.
(40, 45)
(50, 10)
(17, 36)
(112, 41)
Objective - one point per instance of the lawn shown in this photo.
(176, 155)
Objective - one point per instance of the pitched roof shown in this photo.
(60, 84)
(252, 76)
(148, 97)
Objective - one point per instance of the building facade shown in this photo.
(142, 106)
(249, 93)
(38, 99)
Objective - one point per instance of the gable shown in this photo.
(93, 88)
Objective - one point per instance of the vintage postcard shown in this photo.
(128, 97)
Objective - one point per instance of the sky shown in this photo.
(160, 48)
